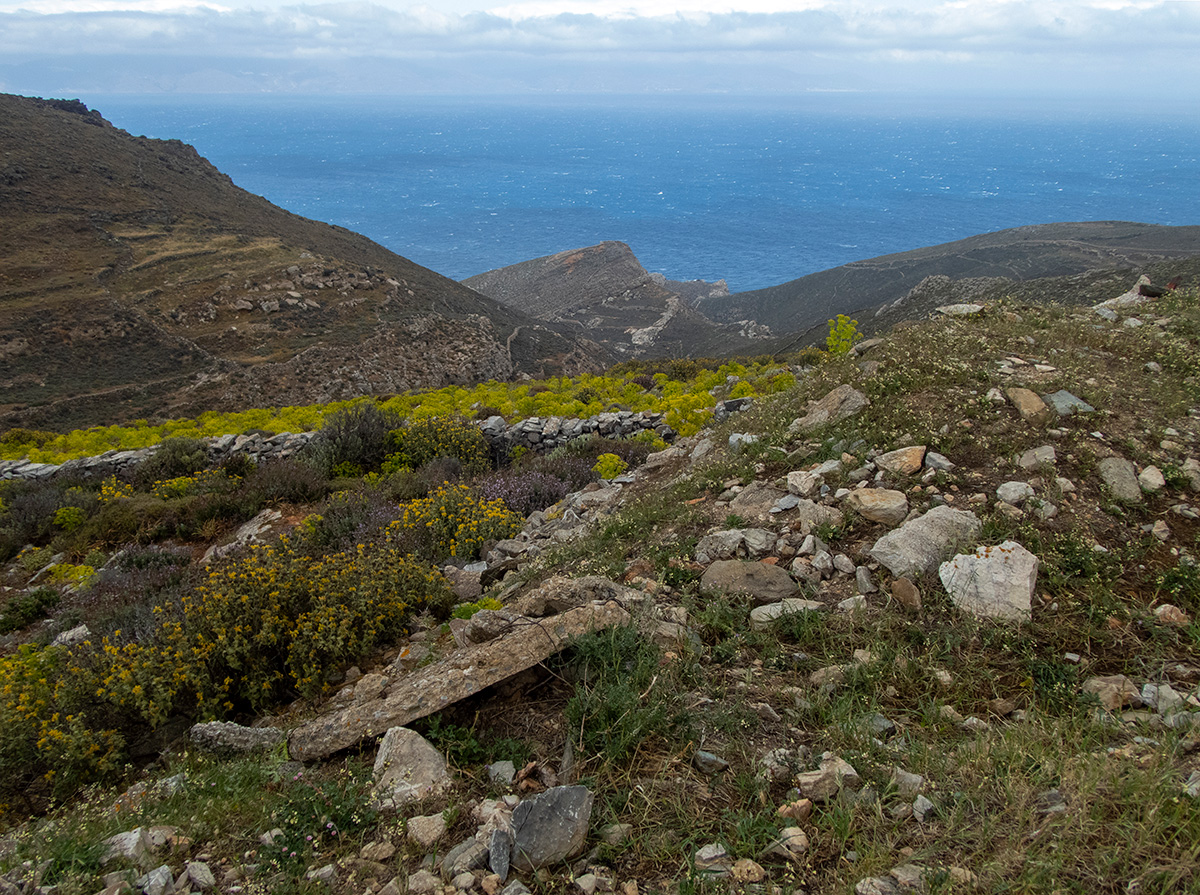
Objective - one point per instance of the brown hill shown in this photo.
(138, 280)
(1022, 253)
(603, 292)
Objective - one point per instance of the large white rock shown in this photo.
(993, 582)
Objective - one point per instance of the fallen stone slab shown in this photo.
(920, 544)
(225, 737)
(1114, 691)
(993, 582)
(459, 675)
(963, 309)
(841, 403)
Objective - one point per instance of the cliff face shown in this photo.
(603, 292)
(139, 280)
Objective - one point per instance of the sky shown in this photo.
(1134, 52)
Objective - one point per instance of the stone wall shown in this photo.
(535, 433)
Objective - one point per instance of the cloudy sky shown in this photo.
(1134, 51)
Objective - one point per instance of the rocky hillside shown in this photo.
(926, 623)
(140, 281)
(1023, 253)
(603, 292)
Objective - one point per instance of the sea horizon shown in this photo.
(755, 190)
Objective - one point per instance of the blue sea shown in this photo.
(755, 191)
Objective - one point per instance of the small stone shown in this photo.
(1151, 480)
(708, 763)
(905, 461)
(923, 808)
(906, 783)
(762, 617)
(1014, 493)
(880, 505)
(422, 883)
(1030, 407)
(377, 851)
(1191, 788)
(874, 885)
(853, 604)
(863, 582)
(746, 871)
(615, 834)
(712, 859)
(799, 810)
(1117, 473)
(1114, 691)
(1170, 614)
(791, 844)
(975, 725)
(907, 594)
(426, 830)
(502, 772)
(1066, 404)
(201, 875)
(586, 883)
(824, 783)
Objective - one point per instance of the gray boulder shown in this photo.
(407, 768)
(1118, 475)
(550, 827)
(841, 403)
(920, 544)
(764, 583)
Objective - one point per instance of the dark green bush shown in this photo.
(359, 435)
(175, 457)
(286, 481)
(26, 608)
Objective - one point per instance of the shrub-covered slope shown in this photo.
(804, 697)
(138, 280)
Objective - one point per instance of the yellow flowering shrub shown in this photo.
(273, 622)
(112, 490)
(49, 725)
(425, 439)
(453, 521)
(609, 466)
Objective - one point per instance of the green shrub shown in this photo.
(69, 518)
(175, 457)
(424, 440)
(359, 434)
(609, 466)
(286, 481)
(26, 608)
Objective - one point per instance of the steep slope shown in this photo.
(603, 292)
(139, 280)
(1040, 250)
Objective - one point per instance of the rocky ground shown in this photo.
(927, 624)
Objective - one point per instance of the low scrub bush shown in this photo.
(423, 440)
(523, 490)
(286, 481)
(25, 608)
(358, 435)
(174, 458)
(347, 518)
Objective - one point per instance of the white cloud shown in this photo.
(631, 44)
